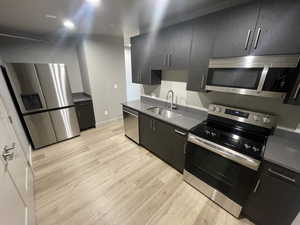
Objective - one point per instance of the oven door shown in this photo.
(226, 181)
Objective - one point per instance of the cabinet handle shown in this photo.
(297, 92)
(180, 132)
(256, 186)
(247, 39)
(282, 176)
(257, 38)
(170, 55)
(202, 82)
(165, 60)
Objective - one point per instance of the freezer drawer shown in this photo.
(40, 129)
(65, 123)
(25, 83)
(55, 85)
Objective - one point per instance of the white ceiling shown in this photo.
(112, 17)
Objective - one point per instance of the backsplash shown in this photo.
(288, 115)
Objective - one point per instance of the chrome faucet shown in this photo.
(172, 104)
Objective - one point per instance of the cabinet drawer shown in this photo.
(281, 173)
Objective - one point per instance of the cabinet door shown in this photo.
(234, 30)
(138, 58)
(180, 37)
(280, 30)
(178, 145)
(171, 142)
(147, 135)
(163, 138)
(201, 50)
(159, 46)
(85, 114)
(275, 202)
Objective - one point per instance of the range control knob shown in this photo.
(256, 118)
(217, 109)
(266, 120)
(213, 134)
(247, 146)
(207, 132)
(255, 149)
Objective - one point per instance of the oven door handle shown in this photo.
(227, 153)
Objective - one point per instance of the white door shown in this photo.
(12, 208)
(15, 160)
(16, 166)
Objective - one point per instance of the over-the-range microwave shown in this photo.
(267, 76)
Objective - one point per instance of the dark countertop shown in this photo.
(81, 97)
(188, 118)
(283, 149)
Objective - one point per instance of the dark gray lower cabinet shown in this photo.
(276, 200)
(85, 115)
(163, 140)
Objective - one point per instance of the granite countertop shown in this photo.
(188, 118)
(81, 97)
(283, 149)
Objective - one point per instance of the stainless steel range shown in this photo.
(224, 153)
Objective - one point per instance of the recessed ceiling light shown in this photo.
(94, 2)
(69, 24)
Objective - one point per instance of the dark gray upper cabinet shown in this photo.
(276, 198)
(278, 30)
(170, 48)
(203, 33)
(140, 55)
(234, 30)
(180, 37)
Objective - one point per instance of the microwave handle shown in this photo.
(262, 79)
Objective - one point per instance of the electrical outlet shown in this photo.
(105, 112)
(115, 86)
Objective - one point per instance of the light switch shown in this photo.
(105, 112)
(115, 86)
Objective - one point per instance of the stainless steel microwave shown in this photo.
(267, 76)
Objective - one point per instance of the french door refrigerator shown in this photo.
(44, 99)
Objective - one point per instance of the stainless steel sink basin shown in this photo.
(163, 112)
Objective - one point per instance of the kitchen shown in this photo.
(184, 114)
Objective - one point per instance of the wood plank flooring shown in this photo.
(102, 178)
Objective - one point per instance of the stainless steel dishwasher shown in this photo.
(131, 124)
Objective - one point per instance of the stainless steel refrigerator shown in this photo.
(44, 98)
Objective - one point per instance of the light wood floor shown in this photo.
(102, 178)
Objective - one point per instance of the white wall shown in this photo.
(288, 115)
(133, 91)
(105, 71)
(19, 50)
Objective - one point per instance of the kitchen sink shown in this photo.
(163, 112)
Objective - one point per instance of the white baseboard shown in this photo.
(102, 123)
